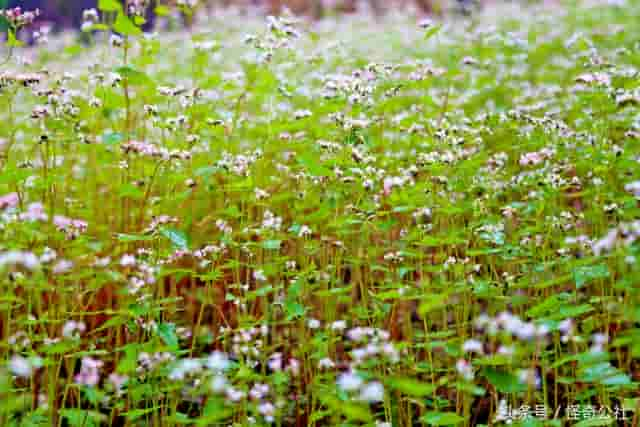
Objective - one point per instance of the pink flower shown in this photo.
(117, 381)
(35, 212)
(89, 374)
(387, 185)
(9, 201)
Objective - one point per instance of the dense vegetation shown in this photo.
(359, 221)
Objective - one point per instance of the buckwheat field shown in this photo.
(353, 221)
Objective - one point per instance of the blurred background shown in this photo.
(68, 13)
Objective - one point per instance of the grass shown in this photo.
(355, 222)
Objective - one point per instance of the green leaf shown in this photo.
(442, 418)
(167, 332)
(431, 302)
(122, 237)
(129, 362)
(162, 10)
(411, 387)
(312, 165)
(135, 77)
(60, 347)
(99, 27)
(271, 244)
(356, 412)
(81, 417)
(570, 311)
(294, 310)
(12, 41)
(125, 26)
(585, 274)
(109, 5)
(432, 31)
(137, 413)
(548, 305)
(130, 190)
(178, 238)
(214, 411)
(593, 422)
(504, 381)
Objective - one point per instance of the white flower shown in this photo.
(20, 366)
(261, 194)
(529, 377)
(359, 354)
(349, 381)
(566, 326)
(258, 391)
(357, 333)
(73, 329)
(526, 332)
(128, 260)
(235, 395)
(472, 346)
(313, 323)
(633, 188)
(301, 114)
(372, 392)
(509, 322)
(326, 363)
(62, 266)
(267, 410)
(48, 255)
(26, 259)
(465, 369)
(339, 325)
(116, 40)
(271, 221)
(305, 231)
(184, 368)
(275, 362)
(542, 330)
(259, 275)
(218, 362)
(599, 341)
(218, 384)
(607, 243)
(506, 350)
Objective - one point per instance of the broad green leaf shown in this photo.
(585, 274)
(138, 413)
(271, 244)
(442, 418)
(125, 26)
(178, 238)
(432, 302)
(594, 422)
(109, 5)
(167, 332)
(504, 382)
(12, 41)
(134, 77)
(123, 237)
(432, 31)
(411, 387)
(162, 10)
